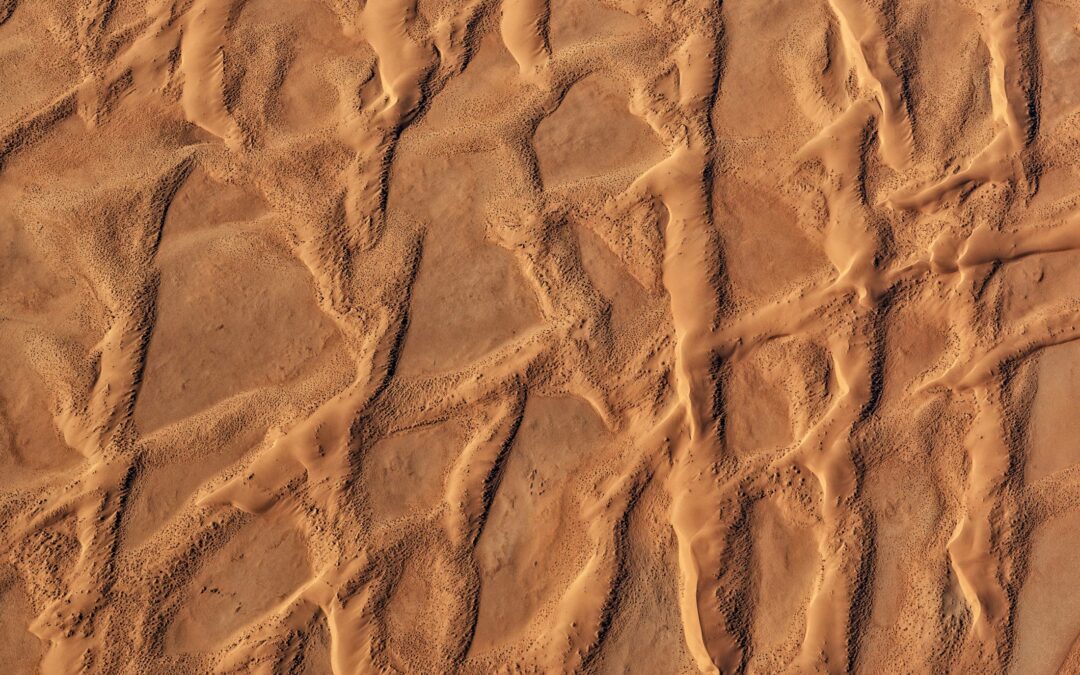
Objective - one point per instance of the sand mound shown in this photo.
(628, 336)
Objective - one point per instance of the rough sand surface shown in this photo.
(613, 336)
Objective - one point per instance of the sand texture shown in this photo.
(539, 336)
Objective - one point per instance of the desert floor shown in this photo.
(536, 336)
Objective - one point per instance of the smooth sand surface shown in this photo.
(539, 336)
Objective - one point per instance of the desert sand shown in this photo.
(530, 336)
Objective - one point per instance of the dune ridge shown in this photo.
(326, 153)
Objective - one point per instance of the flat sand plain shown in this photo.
(520, 336)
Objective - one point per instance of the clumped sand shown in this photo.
(613, 336)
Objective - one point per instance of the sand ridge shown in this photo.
(707, 435)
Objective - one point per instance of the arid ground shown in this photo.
(539, 336)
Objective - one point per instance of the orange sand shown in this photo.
(608, 336)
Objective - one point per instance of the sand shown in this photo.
(522, 336)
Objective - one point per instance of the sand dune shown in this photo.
(613, 336)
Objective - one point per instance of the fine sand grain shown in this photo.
(539, 336)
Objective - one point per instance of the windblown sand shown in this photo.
(607, 336)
